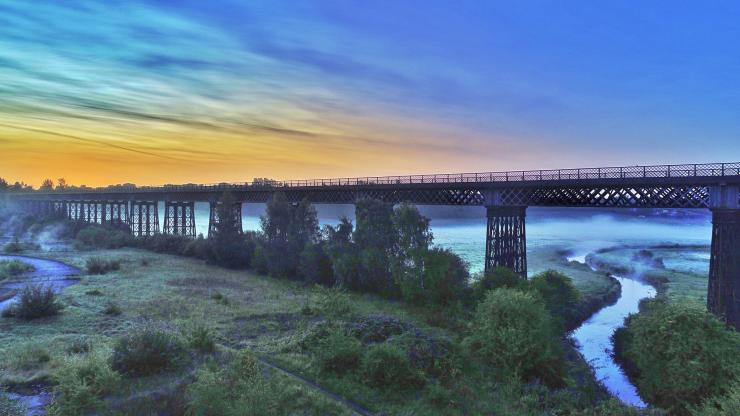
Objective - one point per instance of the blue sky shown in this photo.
(193, 91)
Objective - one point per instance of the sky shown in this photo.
(192, 91)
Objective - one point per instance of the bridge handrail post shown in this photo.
(644, 172)
(621, 173)
(694, 169)
(669, 170)
(723, 169)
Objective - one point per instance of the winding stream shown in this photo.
(594, 337)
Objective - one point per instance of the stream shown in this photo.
(594, 337)
(51, 273)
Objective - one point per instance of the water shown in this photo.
(46, 272)
(594, 340)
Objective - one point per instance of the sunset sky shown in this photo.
(153, 92)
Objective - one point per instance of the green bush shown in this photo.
(165, 243)
(314, 265)
(27, 356)
(80, 381)
(100, 236)
(333, 302)
(146, 350)
(721, 406)
(112, 309)
(445, 277)
(35, 301)
(240, 389)
(15, 247)
(339, 352)
(388, 366)
(682, 354)
(97, 265)
(496, 278)
(561, 297)
(12, 268)
(200, 338)
(513, 333)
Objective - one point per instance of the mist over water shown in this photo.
(579, 230)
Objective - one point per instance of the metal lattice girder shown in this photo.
(214, 219)
(179, 218)
(612, 197)
(506, 242)
(723, 296)
(144, 218)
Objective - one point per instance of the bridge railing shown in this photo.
(624, 172)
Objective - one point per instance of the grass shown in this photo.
(13, 268)
(244, 310)
(684, 276)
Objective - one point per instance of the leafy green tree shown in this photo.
(228, 246)
(287, 229)
(375, 236)
(412, 240)
(445, 276)
(561, 297)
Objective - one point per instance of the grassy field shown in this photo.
(271, 317)
(679, 273)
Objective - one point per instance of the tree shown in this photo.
(47, 184)
(228, 246)
(3, 185)
(376, 238)
(288, 229)
(412, 238)
(61, 183)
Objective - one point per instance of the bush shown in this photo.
(200, 338)
(36, 301)
(314, 265)
(166, 243)
(12, 268)
(339, 352)
(100, 236)
(97, 265)
(112, 309)
(27, 356)
(513, 332)
(721, 406)
(499, 277)
(377, 328)
(445, 277)
(333, 302)
(238, 389)
(683, 355)
(19, 247)
(147, 350)
(387, 366)
(560, 296)
(80, 381)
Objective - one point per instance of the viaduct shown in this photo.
(506, 195)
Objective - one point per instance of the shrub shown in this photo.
(200, 338)
(146, 350)
(513, 332)
(445, 277)
(560, 296)
(97, 265)
(333, 302)
(80, 380)
(36, 301)
(339, 352)
(387, 366)
(94, 292)
(100, 236)
(683, 355)
(496, 278)
(314, 265)
(166, 243)
(112, 309)
(721, 406)
(238, 389)
(377, 328)
(12, 268)
(19, 247)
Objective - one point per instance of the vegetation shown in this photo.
(13, 268)
(680, 356)
(146, 350)
(514, 333)
(34, 301)
(97, 265)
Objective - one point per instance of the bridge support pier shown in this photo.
(179, 218)
(506, 242)
(115, 213)
(723, 297)
(214, 220)
(144, 218)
